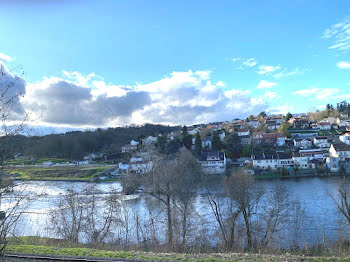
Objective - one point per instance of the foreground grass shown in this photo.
(150, 256)
(79, 173)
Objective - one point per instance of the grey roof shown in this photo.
(341, 147)
(205, 155)
(263, 156)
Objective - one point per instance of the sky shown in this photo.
(107, 63)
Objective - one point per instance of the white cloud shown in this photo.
(270, 95)
(318, 93)
(343, 65)
(79, 101)
(339, 34)
(5, 58)
(251, 62)
(236, 59)
(265, 69)
(284, 109)
(263, 84)
(286, 73)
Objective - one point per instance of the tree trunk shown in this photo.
(247, 225)
(170, 226)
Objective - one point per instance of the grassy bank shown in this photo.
(151, 256)
(78, 173)
(58, 247)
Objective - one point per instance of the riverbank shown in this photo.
(84, 252)
(59, 173)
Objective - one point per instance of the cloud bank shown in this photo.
(80, 101)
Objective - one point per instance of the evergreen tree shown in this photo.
(216, 144)
(198, 145)
(187, 141)
(288, 116)
(233, 145)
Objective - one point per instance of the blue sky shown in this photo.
(175, 62)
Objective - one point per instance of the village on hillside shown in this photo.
(284, 145)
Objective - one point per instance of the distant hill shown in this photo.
(77, 144)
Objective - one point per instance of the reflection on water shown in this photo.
(314, 193)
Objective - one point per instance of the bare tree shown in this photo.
(101, 215)
(14, 201)
(67, 220)
(342, 200)
(171, 182)
(274, 215)
(245, 196)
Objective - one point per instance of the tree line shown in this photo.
(76, 144)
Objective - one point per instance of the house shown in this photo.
(273, 139)
(278, 119)
(273, 125)
(149, 140)
(135, 159)
(321, 142)
(340, 151)
(128, 148)
(213, 162)
(302, 143)
(324, 126)
(312, 154)
(331, 120)
(124, 167)
(134, 143)
(343, 121)
(345, 138)
(299, 122)
(141, 167)
(252, 123)
(273, 161)
(301, 161)
(333, 164)
(243, 132)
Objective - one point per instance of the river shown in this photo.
(321, 219)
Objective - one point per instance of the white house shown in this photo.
(252, 123)
(124, 167)
(340, 151)
(243, 132)
(333, 164)
(141, 167)
(213, 162)
(273, 125)
(324, 126)
(331, 120)
(134, 143)
(302, 162)
(321, 142)
(345, 138)
(273, 161)
(302, 143)
(135, 159)
(312, 154)
(343, 121)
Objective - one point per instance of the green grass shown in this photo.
(27, 161)
(79, 173)
(150, 256)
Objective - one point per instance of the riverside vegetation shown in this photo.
(243, 221)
